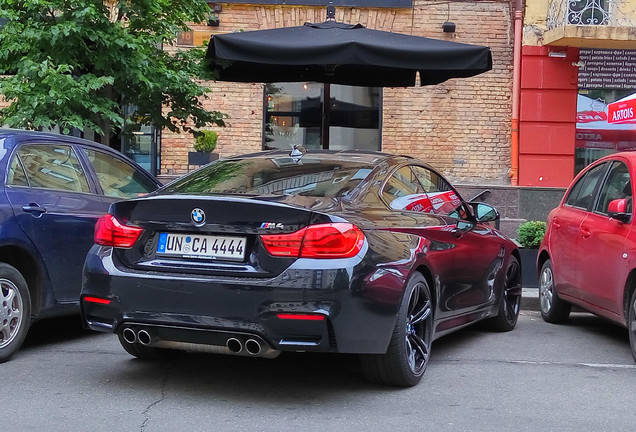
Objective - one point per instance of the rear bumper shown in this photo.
(311, 306)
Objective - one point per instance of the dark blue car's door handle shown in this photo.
(35, 209)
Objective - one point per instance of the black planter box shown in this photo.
(200, 158)
(530, 278)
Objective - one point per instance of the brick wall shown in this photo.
(462, 127)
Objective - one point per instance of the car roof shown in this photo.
(16, 136)
(360, 156)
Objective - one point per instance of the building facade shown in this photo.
(578, 57)
(461, 127)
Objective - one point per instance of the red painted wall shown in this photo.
(547, 118)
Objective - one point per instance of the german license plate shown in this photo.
(201, 246)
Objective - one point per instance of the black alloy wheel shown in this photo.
(410, 347)
(510, 301)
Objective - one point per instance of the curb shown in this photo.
(530, 299)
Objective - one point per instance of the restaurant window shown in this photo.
(595, 136)
(296, 114)
(141, 143)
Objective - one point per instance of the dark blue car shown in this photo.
(52, 191)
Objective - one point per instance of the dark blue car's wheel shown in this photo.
(15, 311)
(410, 348)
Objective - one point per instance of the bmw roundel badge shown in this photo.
(198, 217)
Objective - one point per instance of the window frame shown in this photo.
(326, 113)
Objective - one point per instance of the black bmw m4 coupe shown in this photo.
(343, 252)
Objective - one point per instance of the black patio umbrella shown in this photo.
(338, 53)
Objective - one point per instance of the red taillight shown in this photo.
(334, 240)
(287, 245)
(96, 300)
(301, 317)
(110, 232)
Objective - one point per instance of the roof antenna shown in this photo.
(331, 11)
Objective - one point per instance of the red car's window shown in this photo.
(582, 193)
(617, 186)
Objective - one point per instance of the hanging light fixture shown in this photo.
(448, 26)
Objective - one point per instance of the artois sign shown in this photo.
(623, 110)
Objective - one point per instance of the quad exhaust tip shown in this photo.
(234, 345)
(253, 347)
(144, 337)
(129, 335)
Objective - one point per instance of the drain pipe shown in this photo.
(516, 89)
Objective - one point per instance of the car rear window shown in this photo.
(273, 176)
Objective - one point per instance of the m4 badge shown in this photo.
(272, 225)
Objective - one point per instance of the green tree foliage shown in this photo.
(81, 63)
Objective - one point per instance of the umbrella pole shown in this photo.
(324, 123)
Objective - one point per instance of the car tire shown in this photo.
(553, 309)
(409, 350)
(143, 352)
(631, 324)
(15, 311)
(510, 301)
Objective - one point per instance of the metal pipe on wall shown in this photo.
(516, 90)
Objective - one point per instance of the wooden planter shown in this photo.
(200, 158)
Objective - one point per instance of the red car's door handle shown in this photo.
(556, 225)
(585, 232)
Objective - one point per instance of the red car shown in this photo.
(588, 255)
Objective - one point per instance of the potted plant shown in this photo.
(529, 236)
(204, 144)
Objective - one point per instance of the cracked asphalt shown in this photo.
(539, 377)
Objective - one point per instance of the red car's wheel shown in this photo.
(631, 324)
(553, 309)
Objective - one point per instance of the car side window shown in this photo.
(441, 195)
(582, 193)
(49, 167)
(16, 176)
(401, 188)
(618, 185)
(116, 177)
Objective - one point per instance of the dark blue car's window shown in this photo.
(116, 177)
(274, 176)
(51, 167)
(16, 176)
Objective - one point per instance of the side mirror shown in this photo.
(485, 212)
(620, 209)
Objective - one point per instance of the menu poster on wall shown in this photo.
(607, 69)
